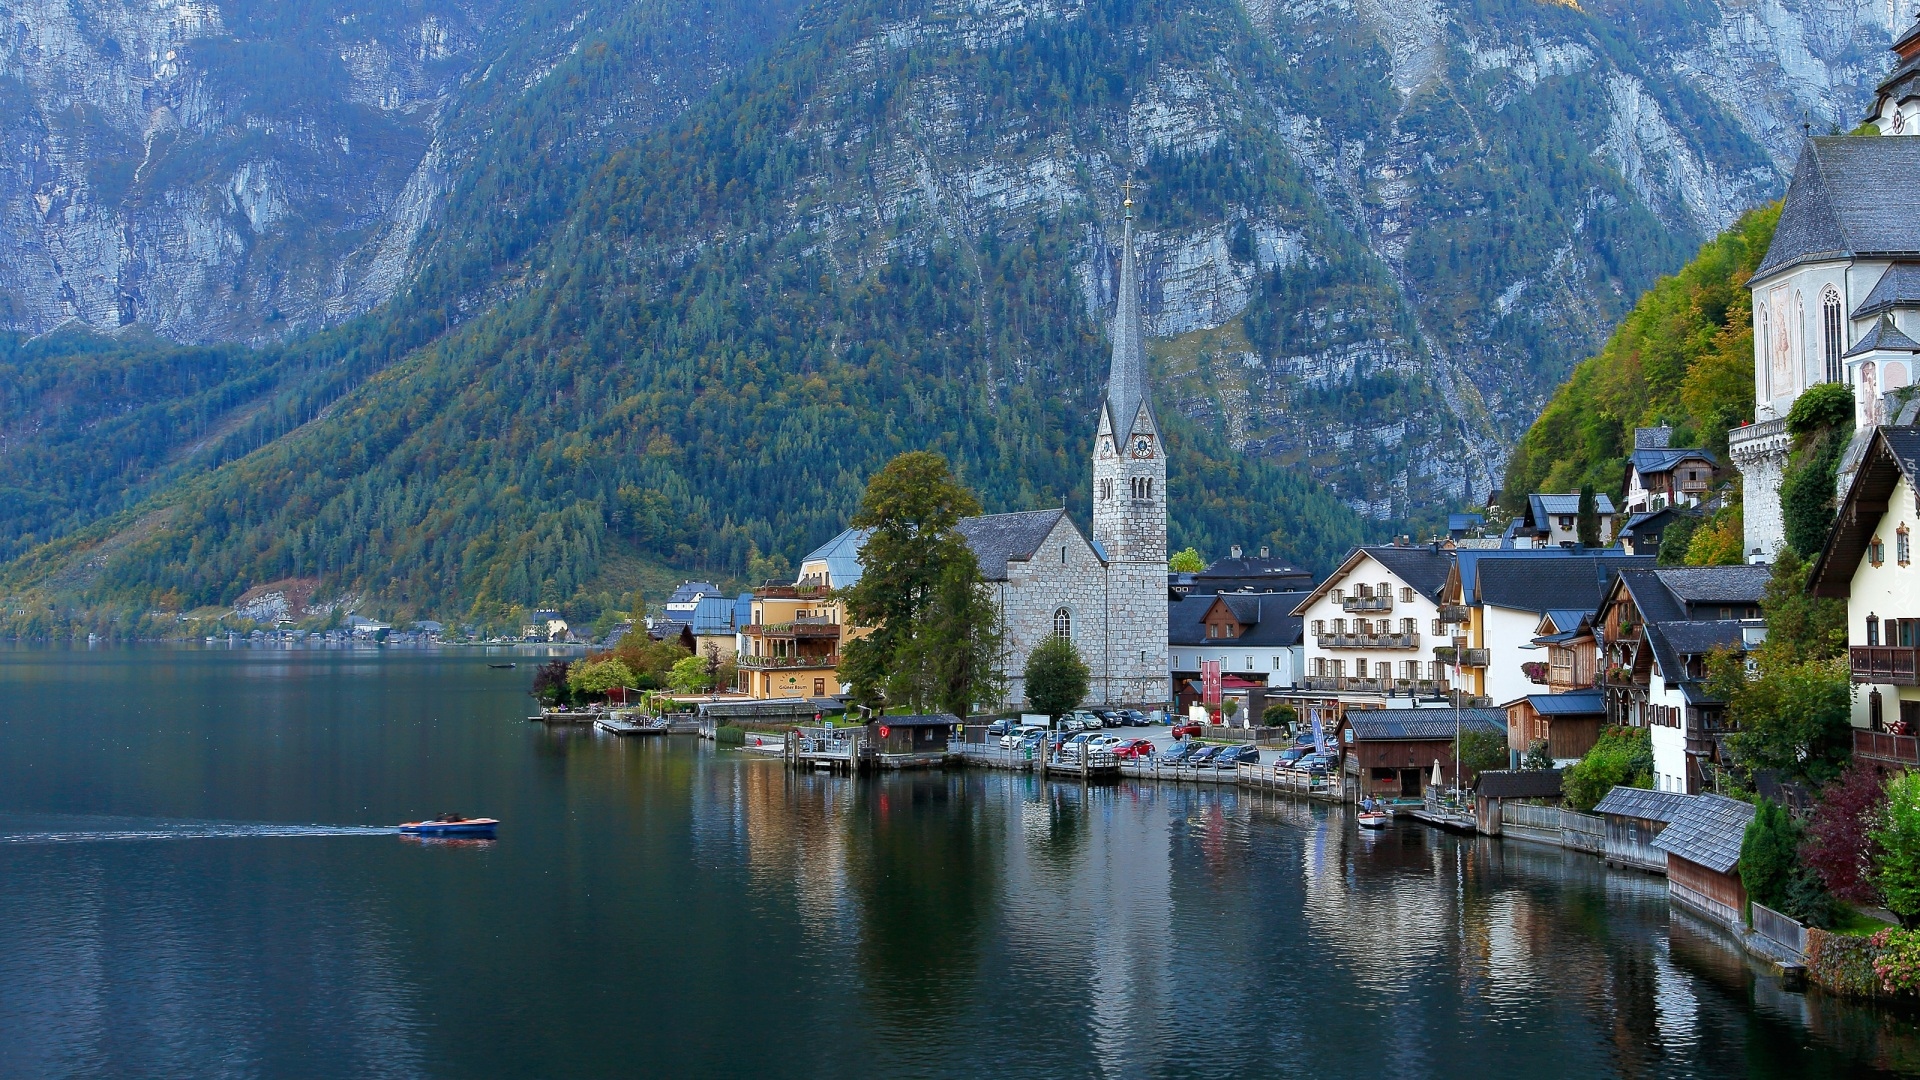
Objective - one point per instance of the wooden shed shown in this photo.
(1393, 751)
(1568, 723)
(1635, 816)
(1494, 787)
(1702, 844)
(901, 742)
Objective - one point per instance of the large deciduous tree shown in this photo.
(1897, 835)
(936, 635)
(1838, 846)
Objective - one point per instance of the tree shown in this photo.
(1230, 706)
(1896, 833)
(690, 675)
(1838, 845)
(1186, 561)
(595, 676)
(550, 684)
(1279, 714)
(1057, 679)
(1480, 751)
(1621, 757)
(1587, 524)
(936, 636)
(1718, 541)
(1821, 421)
(1769, 853)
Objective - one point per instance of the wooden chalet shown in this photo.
(1391, 752)
(1494, 788)
(1568, 723)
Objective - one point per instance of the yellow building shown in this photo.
(791, 648)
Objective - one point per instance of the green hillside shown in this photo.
(1683, 356)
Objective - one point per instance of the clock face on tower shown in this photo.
(1142, 446)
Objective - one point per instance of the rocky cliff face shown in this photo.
(1376, 232)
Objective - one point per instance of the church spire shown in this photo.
(1127, 379)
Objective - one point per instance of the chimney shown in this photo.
(1236, 551)
(1263, 551)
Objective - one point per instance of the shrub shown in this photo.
(1897, 963)
(1538, 756)
(1057, 679)
(1482, 750)
(1838, 847)
(1897, 834)
(1621, 757)
(1280, 715)
(1768, 855)
(689, 675)
(594, 676)
(1806, 492)
(550, 684)
(1821, 406)
(728, 735)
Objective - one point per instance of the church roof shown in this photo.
(1884, 337)
(1127, 388)
(1837, 204)
(998, 538)
(1898, 287)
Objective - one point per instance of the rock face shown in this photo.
(1376, 232)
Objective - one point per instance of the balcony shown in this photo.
(1369, 641)
(1453, 613)
(1425, 687)
(1473, 658)
(827, 661)
(1364, 604)
(815, 628)
(1884, 747)
(1893, 664)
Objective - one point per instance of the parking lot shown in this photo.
(1164, 745)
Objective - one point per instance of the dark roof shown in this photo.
(1898, 287)
(1708, 830)
(1421, 725)
(662, 629)
(1268, 616)
(689, 591)
(1464, 522)
(1538, 584)
(1423, 568)
(1184, 620)
(1553, 505)
(1884, 337)
(1257, 569)
(1891, 453)
(1665, 458)
(929, 720)
(1571, 703)
(1744, 584)
(1643, 803)
(996, 538)
(1651, 596)
(1837, 203)
(1518, 784)
(1652, 521)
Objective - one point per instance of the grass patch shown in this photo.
(1856, 923)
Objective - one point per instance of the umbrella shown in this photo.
(1437, 780)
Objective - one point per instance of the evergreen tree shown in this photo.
(1588, 522)
(1769, 855)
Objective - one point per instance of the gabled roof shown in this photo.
(1571, 703)
(927, 720)
(1673, 642)
(1898, 287)
(1707, 830)
(1654, 521)
(1648, 462)
(1643, 803)
(1423, 568)
(997, 539)
(1883, 337)
(691, 591)
(1662, 594)
(1536, 584)
(1250, 569)
(1269, 618)
(1837, 204)
(1518, 784)
(1565, 619)
(1421, 725)
(1650, 596)
(1891, 453)
(715, 615)
(1543, 506)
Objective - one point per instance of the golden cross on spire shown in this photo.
(1127, 185)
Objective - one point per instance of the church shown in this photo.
(1106, 592)
(1837, 296)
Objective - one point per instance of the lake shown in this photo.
(196, 880)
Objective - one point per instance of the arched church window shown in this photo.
(1063, 623)
(1763, 363)
(1832, 332)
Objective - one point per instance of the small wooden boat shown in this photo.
(502, 667)
(1375, 819)
(452, 825)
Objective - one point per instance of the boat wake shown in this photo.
(188, 831)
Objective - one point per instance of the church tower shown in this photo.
(1130, 507)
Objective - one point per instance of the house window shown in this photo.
(1360, 668)
(1566, 522)
(1406, 627)
(1319, 627)
(1063, 554)
(1406, 594)
(1873, 630)
(1276, 661)
(1876, 551)
(1063, 623)
(1339, 626)
(1319, 666)
(1413, 670)
(1249, 661)
(1900, 549)
(1832, 335)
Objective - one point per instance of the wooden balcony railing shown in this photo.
(1883, 746)
(1375, 686)
(1367, 603)
(1453, 613)
(1894, 664)
(1369, 641)
(796, 629)
(1473, 657)
(828, 661)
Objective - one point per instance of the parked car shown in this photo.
(1290, 755)
(1134, 717)
(1108, 741)
(1133, 750)
(1072, 723)
(1001, 727)
(1235, 756)
(1203, 757)
(1091, 721)
(1070, 749)
(1182, 731)
(1020, 735)
(1178, 753)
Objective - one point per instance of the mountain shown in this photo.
(1375, 234)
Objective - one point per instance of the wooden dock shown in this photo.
(565, 716)
(626, 726)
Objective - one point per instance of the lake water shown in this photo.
(187, 889)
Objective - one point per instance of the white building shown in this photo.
(1372, 626)
(1503, 596)
(1837, 297)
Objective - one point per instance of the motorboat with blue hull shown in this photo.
(452, 825)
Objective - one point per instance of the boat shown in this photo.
(451, 825)
(1375, 819)
(502, 667)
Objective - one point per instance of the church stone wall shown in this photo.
(1119, 619)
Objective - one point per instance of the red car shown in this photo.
(1185, 730)
(1133, 748)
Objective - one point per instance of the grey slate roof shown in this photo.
(690, 591)
(1571, 703)
(842, 556)
(996, 538)
(1421, 725)
(1664, 459)
(1744, 584)
(1553, 505)
(1543, 582)
(1230, 573)
(1708, 831)
(1422, 568)
(1269, 616)
(1898, 287)
(1643, 803)
(1127, 386)
(1652, 521)
(1518, 784)
(1673, 642)
(927, 720)
(1837, 203)
(1884, 337)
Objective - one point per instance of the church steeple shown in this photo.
(1127, 378)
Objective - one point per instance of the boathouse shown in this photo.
(1392, 752)
(1702, 845)
(906, 742)
(1495, 787)
(1635, 816)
